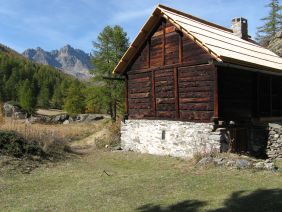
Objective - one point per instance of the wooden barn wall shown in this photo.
(171, 79)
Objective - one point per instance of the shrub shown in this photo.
(12, 144)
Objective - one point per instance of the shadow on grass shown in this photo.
(188, 205)
(259, 200)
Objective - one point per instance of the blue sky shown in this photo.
(51, 24)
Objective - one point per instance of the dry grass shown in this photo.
(42, 132)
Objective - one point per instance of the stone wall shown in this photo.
(274, 144)
(174, 138)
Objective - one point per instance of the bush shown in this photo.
(111, 136)
(12, 144)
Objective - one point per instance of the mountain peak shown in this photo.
(71, 61)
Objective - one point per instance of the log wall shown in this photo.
(171, 79)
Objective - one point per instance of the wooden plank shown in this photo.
(153, 93)
(180, 48)
(139, 90)
(165, 100)
(176, 92)
(194, 100)
(197, 106)
(192, 94)
(166, 114)
(163, 46)
(196, 115)
(139, 95)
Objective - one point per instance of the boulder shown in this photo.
(66, 122)
(13, 110)
(243, 164)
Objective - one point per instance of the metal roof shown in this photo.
(220, 42)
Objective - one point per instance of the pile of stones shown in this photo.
(238, 163)
(274, 145)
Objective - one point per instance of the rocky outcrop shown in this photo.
(14, 111)
(69, 60)
(66, 119)
(275, 44)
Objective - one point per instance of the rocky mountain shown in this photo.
(276, 44)
(69, 60)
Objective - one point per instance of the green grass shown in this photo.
(138, 183)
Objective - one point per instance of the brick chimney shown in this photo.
(240, 27)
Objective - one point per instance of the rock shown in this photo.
(205, 161)
(93, 117)
(71, 61)
(66, 122)
(59, 118)
(117, 148)
(14, 110)
(269, 166)
(259, 165)
(19, 115)
(243, 164)
(81, 117)
(219, 161)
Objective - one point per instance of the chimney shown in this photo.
(240, 28)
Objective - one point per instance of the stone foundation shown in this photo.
(174, 138)
(274, 143)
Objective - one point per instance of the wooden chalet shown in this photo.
(180, 67)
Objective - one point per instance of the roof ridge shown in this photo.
(194, 17)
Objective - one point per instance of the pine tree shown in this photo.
(111, 44)
(26, 96)
(272, 23)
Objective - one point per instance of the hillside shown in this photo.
(71, 61)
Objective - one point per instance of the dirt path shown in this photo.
(88, 144)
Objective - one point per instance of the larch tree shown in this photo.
(111, 44)
(26, 96)
(272, 23)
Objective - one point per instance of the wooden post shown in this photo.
(176, 93)
(180, 48)
(153, 94)
(215, 94)
(163, 47)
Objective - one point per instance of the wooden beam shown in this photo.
(149, 53)
(176, 93)
(180, 48)
(163, 46)
(153, 94)
(215, 94)
(114, 78)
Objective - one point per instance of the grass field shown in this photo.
(126, 181)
